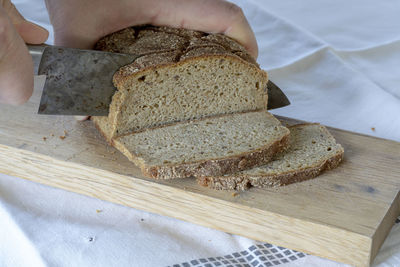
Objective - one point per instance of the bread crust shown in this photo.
(244, 182)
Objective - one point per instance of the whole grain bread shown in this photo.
(179, 75)
(312, 150)
(205, 147)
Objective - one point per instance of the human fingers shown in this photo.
(74, 28)
(81, 118)
(31, 33)
(16, 67)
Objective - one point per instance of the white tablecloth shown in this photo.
(338, 62)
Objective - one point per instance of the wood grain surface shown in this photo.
(344, 214)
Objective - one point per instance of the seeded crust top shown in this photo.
(163, 45)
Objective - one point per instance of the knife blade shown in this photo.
(79, 82)
(276, 97)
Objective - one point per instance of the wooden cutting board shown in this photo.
(344, 215)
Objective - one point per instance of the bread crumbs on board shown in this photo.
(235, 194)
(373, 129)
(62, 137)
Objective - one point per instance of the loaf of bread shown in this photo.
(179, 75)
(312, 150)
(205, 147)
(194, 104)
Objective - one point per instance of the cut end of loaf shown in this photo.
(179, 75)
(191, 89)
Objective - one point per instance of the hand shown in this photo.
(16, 67)
(81, 23)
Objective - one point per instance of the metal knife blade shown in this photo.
(79, 82)
(276, 98)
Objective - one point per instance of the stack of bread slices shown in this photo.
(195, 105)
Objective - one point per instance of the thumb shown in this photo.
(30, 32)
(16, 67)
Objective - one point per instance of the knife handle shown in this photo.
(36, 52)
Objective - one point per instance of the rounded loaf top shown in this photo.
(164, 45)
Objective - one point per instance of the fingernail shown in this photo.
(81, 118)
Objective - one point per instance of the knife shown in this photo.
(79, 82)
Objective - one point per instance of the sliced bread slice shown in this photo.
(205, 147)
(312, 150)
(179, 75)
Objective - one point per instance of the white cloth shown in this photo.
(338, 62)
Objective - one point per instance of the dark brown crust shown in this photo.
(146, 39)
(242, 182)
(217, 167)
